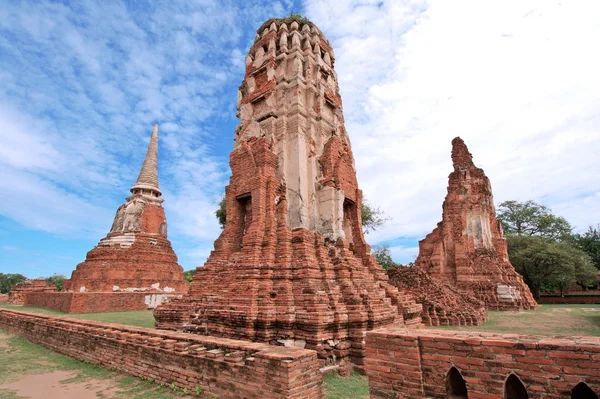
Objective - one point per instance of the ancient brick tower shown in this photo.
(291, 266)
(136, 255)
(467, 248)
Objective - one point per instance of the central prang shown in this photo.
(290, 96)
(291, 266)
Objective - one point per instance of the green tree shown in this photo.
(189, 275)
(546, 264)
(532, 219)
(383, 256)
(372, 218)
(58, 280)
(221, 213)
(590, 243)
(7, 281)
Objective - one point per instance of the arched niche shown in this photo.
(514, 388)
(583, 391)
(456, 386)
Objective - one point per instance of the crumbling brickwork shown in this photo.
(3, 298)
(413, 364)
(291, 266)
(443, 305)
(467, 249)
(19, 292)
(220, 367)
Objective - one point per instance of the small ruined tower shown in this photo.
(136, 255)
(467, 249)
(291, 266)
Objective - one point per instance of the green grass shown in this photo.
(19, 357)
(352, 387)
(555, 320)
(139, 318)
(28, 309)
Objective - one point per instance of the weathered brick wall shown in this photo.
(19, 291)
(413, 364)
(570, 299)
(3, 298)
(87, 302)
(222, 367)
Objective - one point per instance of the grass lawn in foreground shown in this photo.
(559, 320)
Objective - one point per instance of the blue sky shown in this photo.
(82, 83)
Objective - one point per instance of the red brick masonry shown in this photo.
(413, 364)
(19, 292)
(443, 304)
(222, 367)
(87, 302)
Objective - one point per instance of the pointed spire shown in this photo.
(148, 177)
(461, 157)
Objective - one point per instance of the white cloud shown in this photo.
(517, 80)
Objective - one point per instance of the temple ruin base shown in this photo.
(95, 302)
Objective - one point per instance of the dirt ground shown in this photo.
(33, 372)
(51, 385)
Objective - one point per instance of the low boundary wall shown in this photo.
(95, 302)
(221, 367)
(414, 364)
(583, 299)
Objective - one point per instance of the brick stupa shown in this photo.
(136, 254)
(467, 249)
(291, 266)
(134, 266)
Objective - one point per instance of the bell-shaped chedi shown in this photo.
(443, 304)
(136, 255)
(467, 249)
(291, 266)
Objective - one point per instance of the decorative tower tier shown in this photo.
(136, 255)
(467, 249)
(291, 266)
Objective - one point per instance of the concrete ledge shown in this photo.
(223, 367)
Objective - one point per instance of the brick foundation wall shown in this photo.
(87, 302)
(3, 298)
(223, 367)
(570, 299)
(412, 364)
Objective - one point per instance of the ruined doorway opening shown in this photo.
(456, 386)
(244, 220)
(348, 225)
(583, 391)
(514, 388)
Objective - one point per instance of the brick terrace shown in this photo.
(411, 364)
